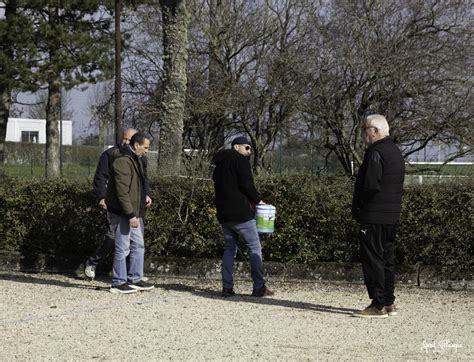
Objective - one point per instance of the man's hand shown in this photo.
(102, 204)
(134, 222)
(147, 201)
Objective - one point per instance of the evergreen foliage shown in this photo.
(54, 45)
(60, 219)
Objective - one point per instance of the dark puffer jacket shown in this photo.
(126, 188)
(236, 195)
(379, 185)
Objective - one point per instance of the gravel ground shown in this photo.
(58, 317)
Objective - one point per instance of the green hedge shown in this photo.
(60, 219)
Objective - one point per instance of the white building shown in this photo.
(34, 130)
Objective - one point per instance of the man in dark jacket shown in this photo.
(376, 205)
(125, 199)
(101, 178)
(235, 200)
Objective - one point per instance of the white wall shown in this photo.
(16, 125)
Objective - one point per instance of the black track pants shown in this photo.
(377, 243)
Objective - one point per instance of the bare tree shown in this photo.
(118, 71)
(252, 56)
(208, 79)
(407, 60)
(283, 71)
(102, 110)
(143, 68)
(245, 72)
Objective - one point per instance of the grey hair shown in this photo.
(378, 121)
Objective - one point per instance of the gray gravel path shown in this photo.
(57, 317)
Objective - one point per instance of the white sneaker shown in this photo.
(89, 270)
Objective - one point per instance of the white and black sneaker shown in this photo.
(141, 285)
(122, 289)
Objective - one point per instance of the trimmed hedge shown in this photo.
(60, 219)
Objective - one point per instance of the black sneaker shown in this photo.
(262, 292)
(122, 289)
(141, 285)
(228, 292)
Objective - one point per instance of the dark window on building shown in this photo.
(29, 136)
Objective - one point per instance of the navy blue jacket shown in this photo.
(103, 172)
(379, 185)
(236, 195)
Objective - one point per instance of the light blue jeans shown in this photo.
(247, 231)
(129, 244)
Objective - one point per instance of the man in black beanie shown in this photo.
(376, 205)
(236, 198)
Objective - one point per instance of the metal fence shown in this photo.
(79, 162)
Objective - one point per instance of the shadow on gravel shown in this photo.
(247, 298)
(34, 279)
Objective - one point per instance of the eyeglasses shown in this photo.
(366, 128)
(248, 148)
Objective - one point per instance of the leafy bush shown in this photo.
(436, 226)
(60, 219)
(313, 219)
(182, 220)
(54, 218)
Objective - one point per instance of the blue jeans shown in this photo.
(128, 243)
(247, 231)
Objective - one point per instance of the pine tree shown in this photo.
(18, 52)
(54, 44)
(76, 47)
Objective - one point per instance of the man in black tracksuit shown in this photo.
(101, 178)
(236, 198)
(376, 206)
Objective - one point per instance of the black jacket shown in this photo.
(379, 185)
(236, 195)
(103, 172)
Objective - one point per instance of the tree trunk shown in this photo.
(118, 72)
(5, 101)
(52, 130)
(175, 55)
